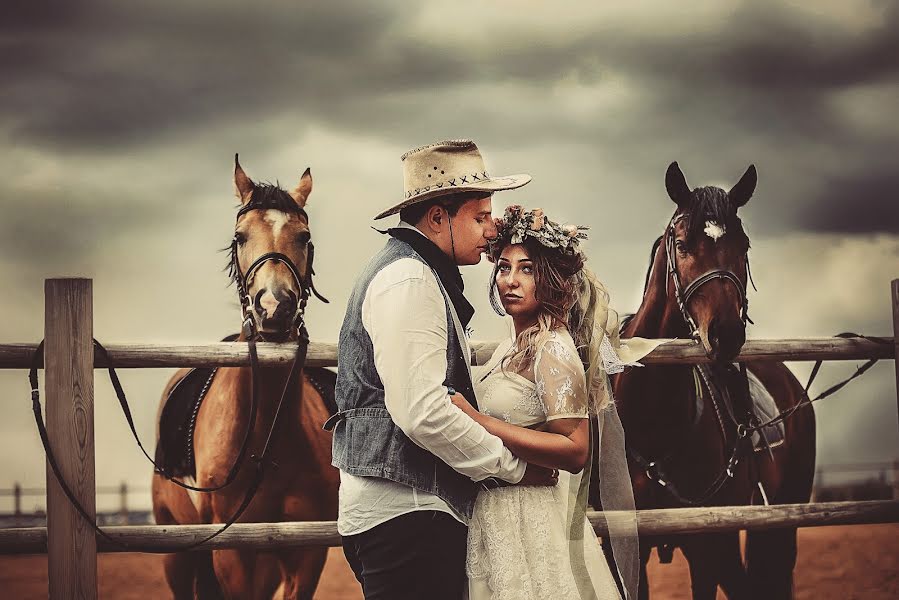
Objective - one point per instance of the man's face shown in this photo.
(472, 228)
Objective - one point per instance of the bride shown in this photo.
(538, 393)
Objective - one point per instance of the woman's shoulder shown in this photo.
(557, 342)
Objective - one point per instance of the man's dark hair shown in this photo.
(451, 202)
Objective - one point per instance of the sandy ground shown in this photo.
(834, 563)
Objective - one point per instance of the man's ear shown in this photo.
(434, 218)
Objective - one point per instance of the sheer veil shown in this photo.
(594, 327)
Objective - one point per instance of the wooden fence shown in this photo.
(69, 362)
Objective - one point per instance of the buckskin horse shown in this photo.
(688, 428)
(230, 445)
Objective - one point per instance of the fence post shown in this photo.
(69, 376)
(895, 288)
(123, 503)
(17, 500)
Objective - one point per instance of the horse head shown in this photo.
(708, 264)
(271, 255)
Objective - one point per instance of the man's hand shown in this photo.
(537, 475)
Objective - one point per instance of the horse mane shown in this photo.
(265, 196)
(710, 203)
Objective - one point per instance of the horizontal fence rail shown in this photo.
(270, 536)
(324, 354)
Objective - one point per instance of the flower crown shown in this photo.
(517, 224)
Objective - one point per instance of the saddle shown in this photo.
(175, 449)
(765, 409)
(759, 402)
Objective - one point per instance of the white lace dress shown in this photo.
(518, 538)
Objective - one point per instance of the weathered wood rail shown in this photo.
(269, 536)
(324, 354)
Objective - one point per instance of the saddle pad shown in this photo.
(765, 409)
(324, 381)
(173, 450)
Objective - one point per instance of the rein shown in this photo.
(252, 334)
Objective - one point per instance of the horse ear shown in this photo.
(676, 184)
(242, 184)
(303, 189)
(742, 192)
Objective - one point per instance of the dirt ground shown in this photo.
(834, 563)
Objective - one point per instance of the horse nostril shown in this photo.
(713, 332)
(257, 303)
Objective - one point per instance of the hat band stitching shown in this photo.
(463, 179)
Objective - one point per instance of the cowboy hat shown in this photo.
(449, 167)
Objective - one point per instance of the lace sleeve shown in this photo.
(559, 379)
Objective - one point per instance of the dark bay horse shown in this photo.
(271, 261)
(685, 443)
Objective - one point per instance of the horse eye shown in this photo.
(303, 238)
(240, 238)
(681, 246)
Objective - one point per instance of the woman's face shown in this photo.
(515, 282)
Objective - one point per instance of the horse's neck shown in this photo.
(655, 394)
(658, 315)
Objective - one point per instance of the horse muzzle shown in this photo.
(723, 339)
(275, 313)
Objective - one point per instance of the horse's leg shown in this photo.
(732, 575)
(179, 574)
(301, 572)
(700, 551)
(208, 587)
(180, 568)
(643, 589)
(234, 570)
(771, 555)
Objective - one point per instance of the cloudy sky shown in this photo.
(119, 122)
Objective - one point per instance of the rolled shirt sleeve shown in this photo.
(404, 313)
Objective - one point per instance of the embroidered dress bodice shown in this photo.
(518, 538)
(552, 389)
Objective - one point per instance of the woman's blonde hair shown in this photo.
(569, 296)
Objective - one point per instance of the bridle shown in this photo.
(683, 294)
(244, 280)
(251, 333)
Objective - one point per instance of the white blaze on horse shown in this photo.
(214, 423)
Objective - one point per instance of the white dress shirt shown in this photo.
(404, 314)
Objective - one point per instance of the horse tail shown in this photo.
(771, 555)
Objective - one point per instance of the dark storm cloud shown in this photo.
(858, 204)
(752, 87)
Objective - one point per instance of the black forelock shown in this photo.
(710, 203)
(272, 196)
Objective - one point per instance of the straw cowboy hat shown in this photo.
(448, 167)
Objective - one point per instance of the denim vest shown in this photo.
(366, 440)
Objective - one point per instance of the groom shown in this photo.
(411, 464)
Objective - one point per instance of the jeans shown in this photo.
(417, 555)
